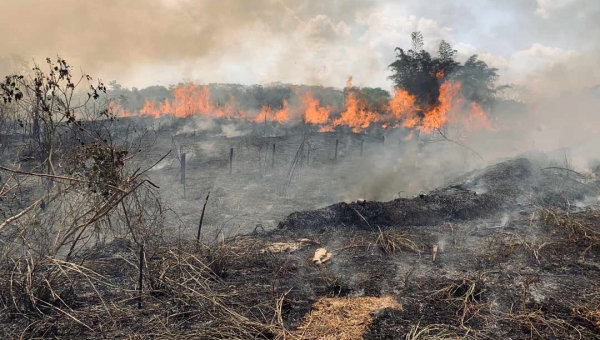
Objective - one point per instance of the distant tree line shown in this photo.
(252, 97)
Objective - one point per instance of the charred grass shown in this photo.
(534, 279)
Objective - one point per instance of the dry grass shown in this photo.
(433, 332)
(392, 242)
(466, 294)
(342, 318)
(504, 244)
(575, 226)
(539, 324)
(183, 296)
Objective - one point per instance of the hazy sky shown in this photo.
(148, 42)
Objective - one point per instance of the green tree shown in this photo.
(420, 74)
(415, 71)
(478, 80)
(445, 63)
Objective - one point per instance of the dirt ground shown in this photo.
(505, 251)
(516, 249)
(262, 191)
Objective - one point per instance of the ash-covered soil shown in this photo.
(516, 248)
(516, 255)
(264, 191)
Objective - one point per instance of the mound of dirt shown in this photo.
(479, 194)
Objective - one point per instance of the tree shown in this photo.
(415, 71)
(478, 80)
(446, 65)
(420, 74)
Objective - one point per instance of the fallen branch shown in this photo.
(459, 143)
(66, 178)
(17, 216)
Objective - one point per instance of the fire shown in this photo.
(402, 110)
(151, 109)
(436, 117)
(230, 110)
(355, 115)
(264, 114)
(117, 110)
(189, 99)
(477, 120)
(281, 116)
(450, 109)
(327, 128)
(313, 113)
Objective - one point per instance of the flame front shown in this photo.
(436, 117)
(356, 115)
(313, 113)
(450, 109)
(402, 110)
(190, 99)
(280, 116)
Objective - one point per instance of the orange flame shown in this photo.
(150, 109)
(230, 110)
(313, 113)
(402, 110)
(436, 117)
(117, 110)
(450, 109)
(189, 99)
(477, 120)
(280, 116)
(355, 114)
(283, 115)
(403, 107)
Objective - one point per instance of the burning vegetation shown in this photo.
(116, 224)
(431, 93)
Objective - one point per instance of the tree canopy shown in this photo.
(421, 74)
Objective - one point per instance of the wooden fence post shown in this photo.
(230, 161)
(362, 142)
(182, 179)
(273, 158)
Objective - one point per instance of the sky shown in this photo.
(544, 45)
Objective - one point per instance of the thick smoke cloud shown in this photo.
(143, 43)
(112, 37)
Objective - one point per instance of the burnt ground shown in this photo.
(517, 258)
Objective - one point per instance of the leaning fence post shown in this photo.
(362, 142)
(308, 155)
(273, 158)
(182, 179)
(230, 161)
(202, 218)
(337, 141)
